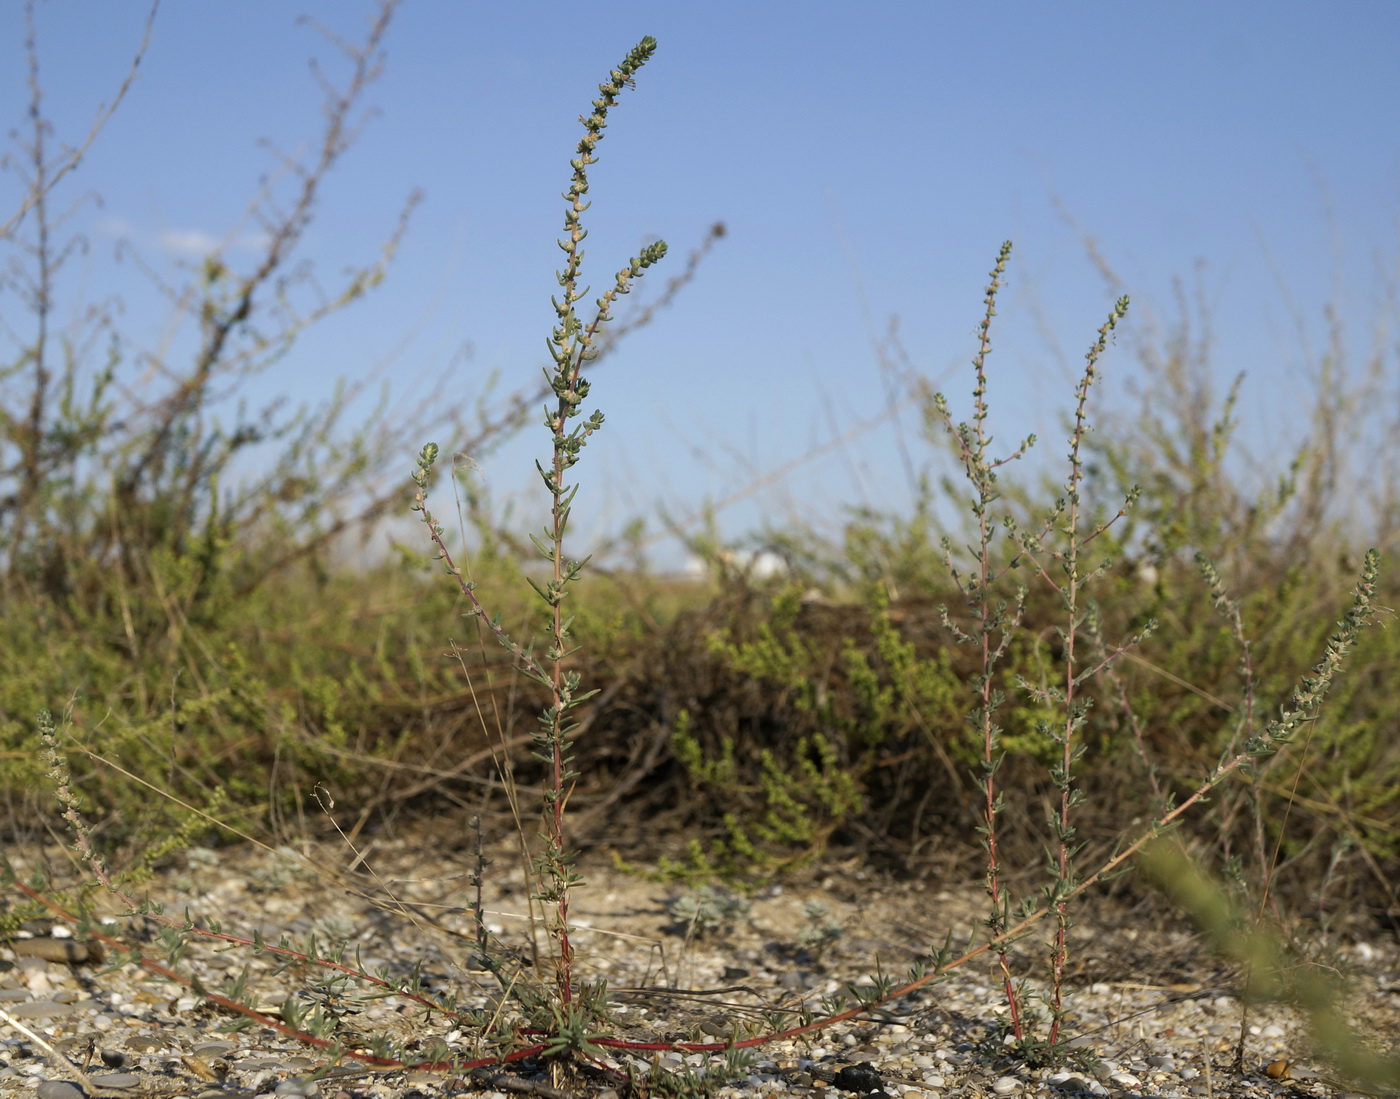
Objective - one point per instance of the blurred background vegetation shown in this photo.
(213, 635)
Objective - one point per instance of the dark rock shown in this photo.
(861, 1079)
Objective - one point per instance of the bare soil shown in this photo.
(1137, 974)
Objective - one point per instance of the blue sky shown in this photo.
(867, 162)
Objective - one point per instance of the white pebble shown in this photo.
(1006, 1085)
(36, 977)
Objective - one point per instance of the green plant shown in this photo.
(1282, 531)
(1054, 551)
(1272, 971)
(572, 347)
(708, 909)
(819, 931)
(854, 703)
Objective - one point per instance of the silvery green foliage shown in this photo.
(709, 908)
(820, 931)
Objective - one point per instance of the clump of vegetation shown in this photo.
(707, 910)
(819, 931)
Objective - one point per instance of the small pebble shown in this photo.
(1006, 1085)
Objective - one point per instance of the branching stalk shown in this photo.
(572, 345)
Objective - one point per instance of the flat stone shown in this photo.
(58, 1089)
(72, 951)
(42, 1009)
(122, 1080)
(145, 1043)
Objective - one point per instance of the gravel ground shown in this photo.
(1150, 1012)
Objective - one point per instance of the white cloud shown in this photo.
(181, 243)
(187, 242)
(115, 227)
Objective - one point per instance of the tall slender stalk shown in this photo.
(994, 623)
(1054, 548)
(572, 344)
(1074, 709)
